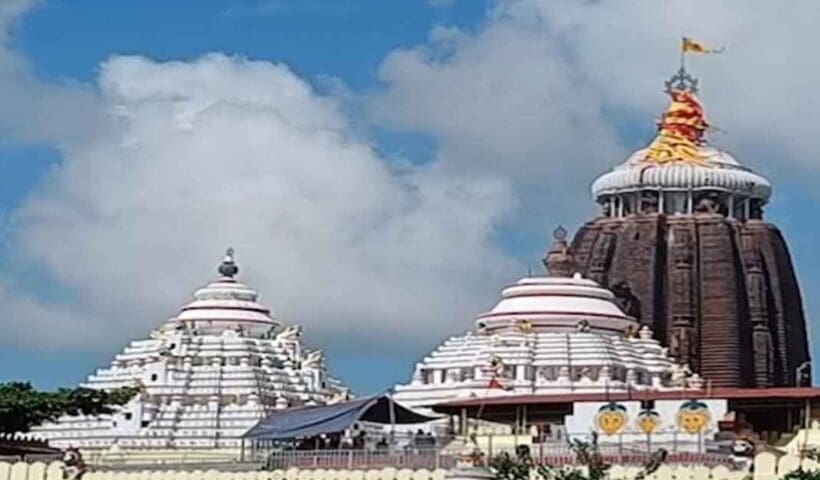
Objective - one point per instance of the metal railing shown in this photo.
(356, 459)
(410, 451)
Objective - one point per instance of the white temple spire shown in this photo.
(206, 376)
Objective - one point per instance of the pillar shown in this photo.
(689, 202)
(660, 202)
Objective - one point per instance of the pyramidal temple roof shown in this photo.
(547, 335)
(206, 376)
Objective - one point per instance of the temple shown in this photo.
(547, 335)
(677, 308)
(564, 339)
(681, 239)
(673, 318)
(205, 377)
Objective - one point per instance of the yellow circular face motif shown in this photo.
(648, 421)
(693, 416)
(611, 418)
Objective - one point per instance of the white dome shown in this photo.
(556, 303)
(721, 172)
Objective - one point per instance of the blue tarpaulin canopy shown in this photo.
(311, 421)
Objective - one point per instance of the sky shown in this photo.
(382, 169)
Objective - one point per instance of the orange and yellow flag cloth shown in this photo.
(693, 46)
(680, 131)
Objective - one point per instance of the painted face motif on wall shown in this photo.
(693, 416)
(648, 421)
(611, 418)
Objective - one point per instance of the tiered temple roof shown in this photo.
(206, 376)
(547, 335)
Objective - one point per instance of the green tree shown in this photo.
(801, 474)
(22, 406)
(587, 455)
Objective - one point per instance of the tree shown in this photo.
(22, 406)
(505, 467)
(801, 474)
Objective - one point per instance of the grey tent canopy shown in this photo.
(311, 421)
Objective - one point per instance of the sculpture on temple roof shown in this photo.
(629, 303)
(680, 373)
(558, 260)
(313, 359)
(290, 333)
(524, 325)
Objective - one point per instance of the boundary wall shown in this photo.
(767, 466)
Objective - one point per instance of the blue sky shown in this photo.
(485, 119)
(65, 41)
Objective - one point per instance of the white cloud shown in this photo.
(224, 151)
(192, 156)
(504, 101)
(539, 89)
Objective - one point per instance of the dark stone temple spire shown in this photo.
(681, 232)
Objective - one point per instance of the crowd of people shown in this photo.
(363, 440)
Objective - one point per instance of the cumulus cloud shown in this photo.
(166, 163)
(760, 90)
(563, 89)
(225, 151)
(505, 101)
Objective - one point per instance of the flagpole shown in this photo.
(682, 53)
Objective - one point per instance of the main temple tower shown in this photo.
(682, 240)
